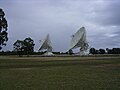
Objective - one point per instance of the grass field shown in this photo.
(60, 73)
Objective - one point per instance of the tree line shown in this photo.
(105, 51)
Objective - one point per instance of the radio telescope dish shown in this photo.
(46, 45)
(79, 40)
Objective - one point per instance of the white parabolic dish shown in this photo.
(46, 44)
(79, 40)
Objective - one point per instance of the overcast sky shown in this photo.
(61, 19)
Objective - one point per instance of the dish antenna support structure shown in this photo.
(46, 45)
(79, 41)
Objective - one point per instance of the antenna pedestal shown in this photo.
(48, 54)
(84, 52)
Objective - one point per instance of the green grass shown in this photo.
(60, 73)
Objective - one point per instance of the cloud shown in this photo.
(62, 18)
(106, 12)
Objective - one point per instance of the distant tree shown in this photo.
(92, 51)
(18, 47)
(116, 51)
(113, 51)
(26, 46)
(3, 29)
(101, 51)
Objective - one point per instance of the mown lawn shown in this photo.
(60, 73)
